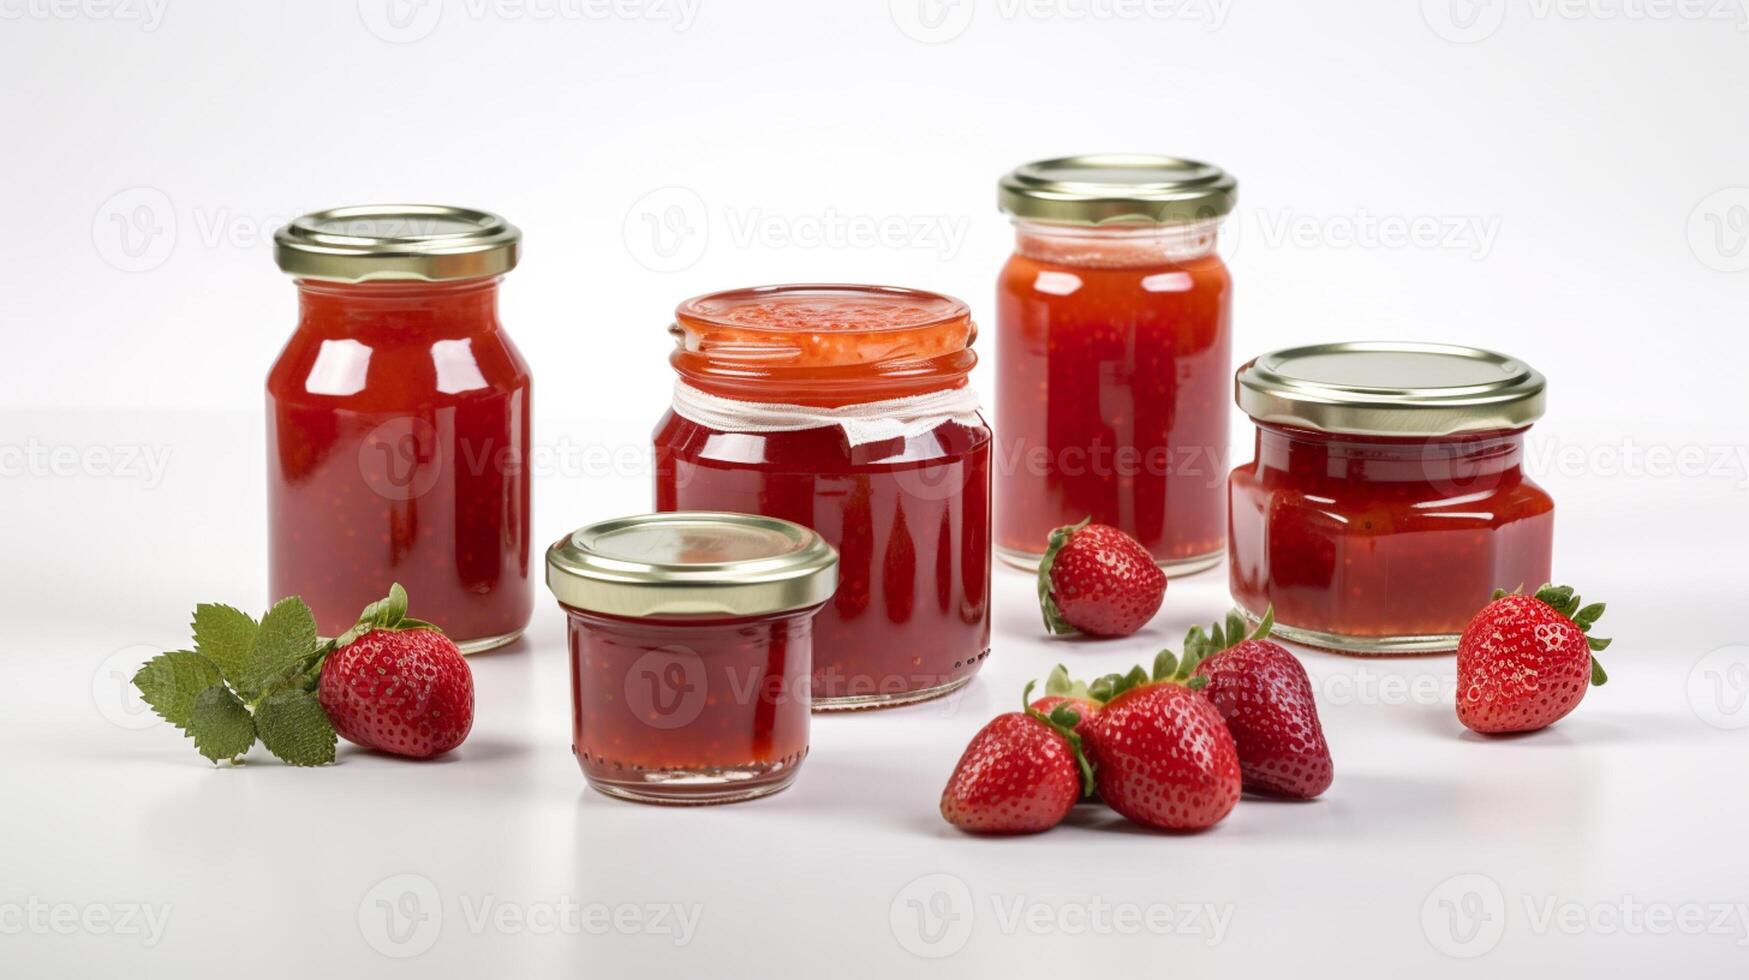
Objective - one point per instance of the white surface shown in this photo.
(1579, 167)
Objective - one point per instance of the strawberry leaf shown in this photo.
(224, 636)
(170, 682)
(282, 647)
(293, 726)
(220, 725)
(1047, 604)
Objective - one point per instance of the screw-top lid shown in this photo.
(692, 563)
(377, 242)
(1391, 389)
(1117, 188)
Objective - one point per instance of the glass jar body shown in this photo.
(1367, 544)
(397, 436)
(690, 710)
(1113, 366)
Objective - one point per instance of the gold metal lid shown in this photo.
(1391, 389)
(385, 242)
(1117, 188)
(692, 563)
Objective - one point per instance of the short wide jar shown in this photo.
(691, 639)
(1388, 499)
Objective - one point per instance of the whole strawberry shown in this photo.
(1525, 661)
(1097, 580)
(1266, 698)
(397, 684)
(1162, 756)
(1022, 773)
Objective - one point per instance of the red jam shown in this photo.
(909, 515)
(1371, 543)
(696, 709)
(398, 426)
(1112, 369)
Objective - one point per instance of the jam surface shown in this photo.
(1113, 375)
(397, 435)
(1370, 537)
(657, 698)
(910, 517)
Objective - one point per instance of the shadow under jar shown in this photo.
(847, 409)
(691, 638)
(1387, 500)
(398, 422)
(1113, 356)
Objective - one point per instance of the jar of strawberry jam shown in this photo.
(1113, 356)
(691, 638)
(398, 422)
(846, 409)
(1388, 498)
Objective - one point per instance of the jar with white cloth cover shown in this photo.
(847, 409)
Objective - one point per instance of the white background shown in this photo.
(1581, 170)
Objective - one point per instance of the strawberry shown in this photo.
(1021, 774)
(1525, 661)
(1266, 698)
(397, 684)
(1097, 580)
(1162, 756)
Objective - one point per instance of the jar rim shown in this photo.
(1391, 388)
(1117, 188)
(397, 242)
(788, 308)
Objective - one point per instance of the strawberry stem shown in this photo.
(1062, 720)
(1054, 621)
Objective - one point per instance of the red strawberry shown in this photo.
(1161, 754)
(1525, 660)
(1266, 698)
(397, 684)
(1098, 580)
(1021, 774)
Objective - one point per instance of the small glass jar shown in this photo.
(691, 638)
(847, 409)
(398, 422)
(1388, 499)
(1113, 356)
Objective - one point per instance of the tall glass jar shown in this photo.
(1113, 356)
(398, 422)
(847, 409)
(1388, 498)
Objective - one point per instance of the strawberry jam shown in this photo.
(691, 638)
(398, 424)
(845, 409)
(1113, 352)
(1394, 504)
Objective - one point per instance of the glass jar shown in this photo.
(1113, 356)
(398, 422)
(1388, 499)
(846, 409)
(691, 638)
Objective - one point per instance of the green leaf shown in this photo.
(1047, 604)
(220, 725)
(1598, 677)
(284, 642)
(224, 635)
(171, 681)
(1057, 681)
(1588, 617)
(1266, 624)
(1165, 665)
(293, 726)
